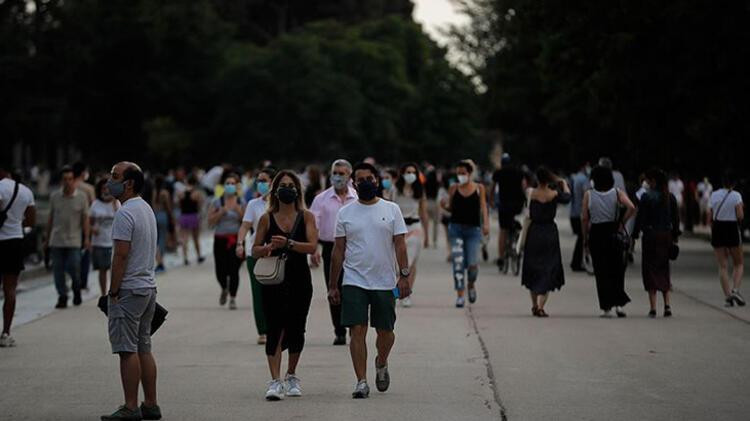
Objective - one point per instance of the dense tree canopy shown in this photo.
(645, 82)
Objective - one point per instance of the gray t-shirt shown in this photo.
(135, 222)
(68, 213)
(230, 222)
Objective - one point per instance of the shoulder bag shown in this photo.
(621, 237)
(4, 212)
(271, 270)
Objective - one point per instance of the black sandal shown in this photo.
(542, 313)
(535, 311)
(652, 314)
(667, 311)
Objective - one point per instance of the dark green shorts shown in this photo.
(355, 302)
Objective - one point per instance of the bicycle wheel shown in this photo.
(516, 264)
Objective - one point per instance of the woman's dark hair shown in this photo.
(659, 182)
(602, 178)
(392, 172)
(446, 179)
(729, 179)
(417, 188)
(269, 171)
(466, 165)
(99, 187)
(273, 201)
(544, 176)
(230, 173)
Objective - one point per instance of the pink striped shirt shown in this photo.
(326, 207)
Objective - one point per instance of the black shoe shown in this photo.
(62, 302)
(729, 302)
(201, 260)
(77, 299)
(124, 414)
(340, 340)
(150, 413)
(621, 314)
(652, 314)
(667, 311)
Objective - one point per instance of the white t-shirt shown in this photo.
(727, 211)
(13, 226)
(254, 210)
(103, 215)
(676, 187)
(370, 259)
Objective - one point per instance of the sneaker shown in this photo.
(607, 314)
(261, 339)
(293, 388)
(62, 302)
(472, 295)
(361, 391)
(729, 302)
(406, 302)
(7, 341)
(738, 299)
(340, 340)
(77, 299)
(382, 378)
(201, 260)
(460, 302)
(223, 297)
(232, 304)
(124, 414)
(620, 312)
(150, 412)
(652, 314)
(187, 262)
(275, 390)
(667, 311)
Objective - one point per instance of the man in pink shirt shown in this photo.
(326, 207)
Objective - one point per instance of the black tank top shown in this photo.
(297, 269)
(187, 204)
(465, 210)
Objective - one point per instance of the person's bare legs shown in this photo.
(667, 299)
(148, 378)
(197, 242)
(447, 241)
(542, 299)
(274, 361)
(652, 299)
(184, 239)
(130, 374)
(534, 299)
(358, 350)
(293, 361)
(721, 258)
(103, 281)
(10, 281)
(384, 344)
(739, 266)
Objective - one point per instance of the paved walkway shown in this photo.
(491, 361)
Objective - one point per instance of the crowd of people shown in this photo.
(367, 225)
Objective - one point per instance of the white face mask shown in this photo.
(463, 179)
(410, 178)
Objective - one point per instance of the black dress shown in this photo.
(659, 221)
(542, 260)
(286, 305)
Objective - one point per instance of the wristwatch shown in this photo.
(405, 272)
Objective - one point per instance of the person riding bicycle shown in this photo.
(509, 186)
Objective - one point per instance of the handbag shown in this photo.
(271, 270)
(160, 313)
(621, 237)
(674, 251)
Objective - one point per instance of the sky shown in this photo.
(436, 14)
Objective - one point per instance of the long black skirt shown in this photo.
(542, 261)
(609, 267)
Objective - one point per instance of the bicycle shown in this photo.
(512, 257)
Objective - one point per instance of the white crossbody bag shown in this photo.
(270, 270)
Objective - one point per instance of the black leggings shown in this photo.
(227, 265)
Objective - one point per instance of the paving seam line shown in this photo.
(712, 306)
(488, 364)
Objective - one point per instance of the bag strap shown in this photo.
(294, 228)
(716, 214)
(12, 199)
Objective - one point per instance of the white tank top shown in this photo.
(409, 205)
(603, 206)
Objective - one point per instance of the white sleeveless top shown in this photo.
(603, 206)
(409, 205)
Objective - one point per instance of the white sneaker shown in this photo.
(459, 302)
(275, 391)
(607, 314)
(406, 302)
(7, 341)
(293, 388)
(362, 391)
(232, 304)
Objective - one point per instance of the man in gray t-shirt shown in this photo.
(132, 293)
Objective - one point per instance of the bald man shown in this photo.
(132, 294)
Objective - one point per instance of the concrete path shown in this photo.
(492, 361)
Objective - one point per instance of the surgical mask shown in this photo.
(230, 189)
(287, 195)
(367, 190)
(262, 187)
(410, 178)
(338, 181)
(387, 184)
(463, 179)
(116, 188)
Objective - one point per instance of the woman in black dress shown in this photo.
(286, 305)
(542, 261)
(659, 221)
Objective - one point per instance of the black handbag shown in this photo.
(674, 251)
(160, 313)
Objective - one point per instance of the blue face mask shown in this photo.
(230, 189)
(387, 184)
(116, 188)
(262, 187)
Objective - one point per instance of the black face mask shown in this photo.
(367, 190)
(287, 194)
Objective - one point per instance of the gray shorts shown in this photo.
(130, 320)
(101, 258)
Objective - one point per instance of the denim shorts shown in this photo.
(130, 320)
(101, 258)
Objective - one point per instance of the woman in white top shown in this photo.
(102, 215)
(600, 222)
(727, 212)
(408, 194)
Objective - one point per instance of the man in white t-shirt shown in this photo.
(19, 212)
(369, 241)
